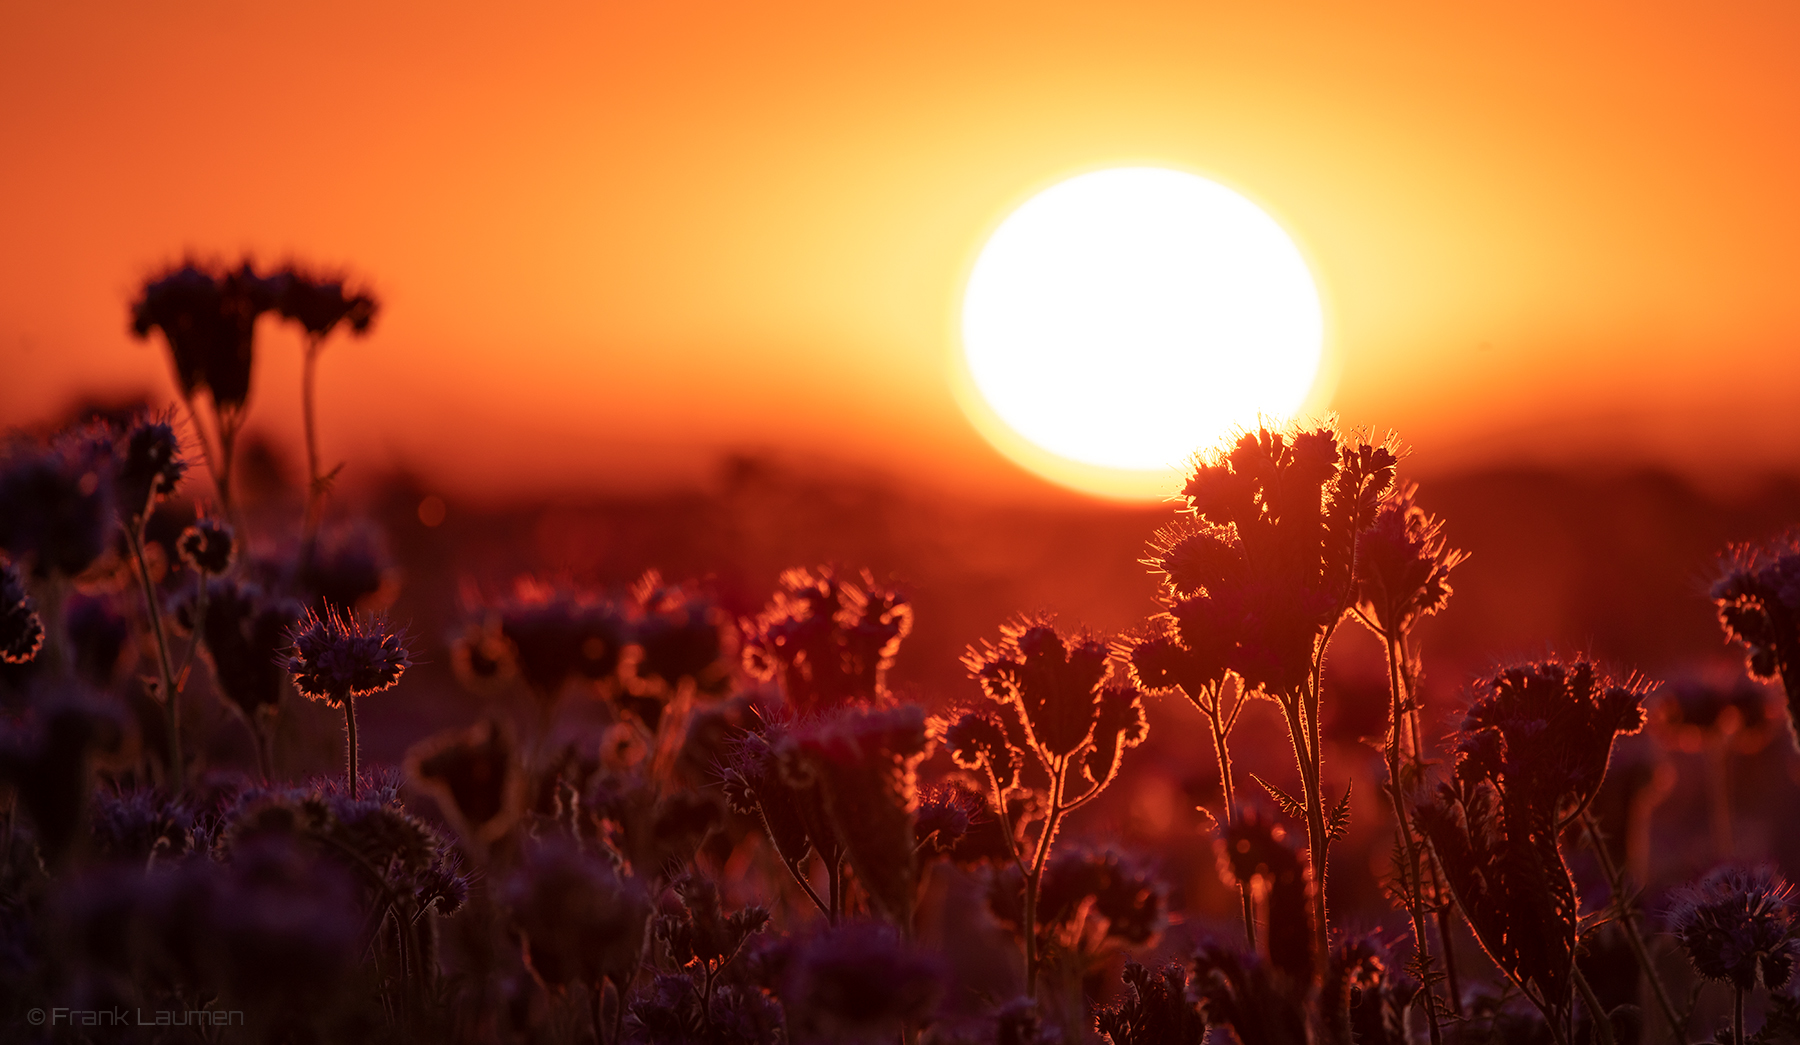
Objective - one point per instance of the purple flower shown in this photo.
(337, 656)
(829, 640)
(147, 466)
(1737, 926)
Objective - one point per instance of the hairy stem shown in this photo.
(1415, 905)
(350, 741)
(1227, 784)
(134, 538)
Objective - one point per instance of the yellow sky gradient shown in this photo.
(615, 239)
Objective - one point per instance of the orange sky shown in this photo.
(614, 238)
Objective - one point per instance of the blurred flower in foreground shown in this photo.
(860, 982)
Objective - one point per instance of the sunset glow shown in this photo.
(1124, 318)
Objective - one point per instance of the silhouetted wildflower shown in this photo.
(793, 813)
(859, 982)
(864, 763)
(681, 634)
(475, 776)
(21, 630)
(1758, 598)
(700, 935)
(1544, 731)
(977, 740)
(209, 319)
(148, 466)
(828, 640)
(1737, 926)
(553, 636)
(1531, 754)
(579, 921)
(1086, 899)
(1157, 1011)
(1362, 991)
(245, 633)
(1058, 692)
(1403, 564)
(319, 302)
(946, 813)
(337, 657)
(207, 546)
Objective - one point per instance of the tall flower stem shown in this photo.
(134, 537)
(1615, 878)
(1596, 1011)
(350, 741)
(1415, 905)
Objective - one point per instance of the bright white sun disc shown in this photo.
(1124, 319)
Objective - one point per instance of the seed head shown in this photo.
(336, 657)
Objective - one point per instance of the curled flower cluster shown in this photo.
(827, 639)
(21, 630)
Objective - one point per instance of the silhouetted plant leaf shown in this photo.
(1290, 806)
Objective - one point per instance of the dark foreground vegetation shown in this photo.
(244, 800)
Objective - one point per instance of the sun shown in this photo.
(1121, 320)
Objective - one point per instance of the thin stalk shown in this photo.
(1041, 855)
(1615, 878)
(596, 1010)
(1737, 1015)
(350, 741)
(1596, 1011)
(134, 538)
(1414, 901)
(1293, 709)
(1227, 785)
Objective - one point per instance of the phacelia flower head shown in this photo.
(1543, 731)
(21, 630)
(147, 465)
(320, 302)
(209, 319)
(828, 639)
(1058, 690)
(1403, 564)
(337, 656)
(1758, 596)
(1737, 925)
(207, 546)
